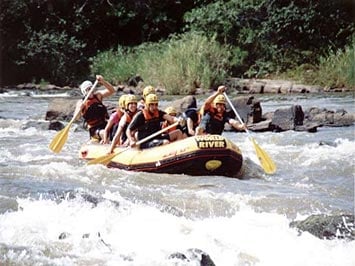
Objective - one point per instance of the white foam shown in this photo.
(148, 236)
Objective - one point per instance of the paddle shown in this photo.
(61, 137)
(266, 162)
(106, 159)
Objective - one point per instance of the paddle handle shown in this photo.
(236, 113)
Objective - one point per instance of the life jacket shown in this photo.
(115, 118)
(216, 122)
(119, 114)
(129, 116)
(194, 114)
(94, 112)
(151, 125)
(166, 124)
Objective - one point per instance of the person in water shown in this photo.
(215, 115)
(93, 110)
(130, 110)
(148, 121)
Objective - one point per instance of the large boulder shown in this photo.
(248, 108)
(61, 109)
(184, 103)
(287, 118)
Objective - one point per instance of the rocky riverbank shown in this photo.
(241, 86)
(243, 93)
(248, 107)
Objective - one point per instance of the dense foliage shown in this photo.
(36, 34)
(278, 34)
(58, 40)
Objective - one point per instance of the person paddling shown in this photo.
(215, 115)
(112, 124)
(148, 121)
(93, 110)
(130, 110)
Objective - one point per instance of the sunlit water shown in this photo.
(56, 210)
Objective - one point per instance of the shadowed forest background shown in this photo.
(180, 44)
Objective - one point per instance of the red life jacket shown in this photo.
(166, 124)
(94, 112)
(215, 125)
(119, 114)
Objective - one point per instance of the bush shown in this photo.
(180, 64)
(335, 70)
(338, 68)
(116, 66)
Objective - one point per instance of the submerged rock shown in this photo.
(194, 256)
(328, 227)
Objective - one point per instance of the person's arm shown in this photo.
(116, 138)
(107, 130)
(131, 136)
(78, 108)
(238, 126)
(171, 119)
(132, 128)
(109, 88)
(208, 102)
(190, 126)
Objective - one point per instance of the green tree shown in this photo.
(34, 34)
(275, 35)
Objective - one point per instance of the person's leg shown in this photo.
(175, 135)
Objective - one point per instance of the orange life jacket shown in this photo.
(151, 125)
(149, 117)
(216, 121)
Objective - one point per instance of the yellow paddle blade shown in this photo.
(266, 162)
(60, 138)
(105, 159)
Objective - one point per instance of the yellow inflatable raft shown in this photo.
(198, 155)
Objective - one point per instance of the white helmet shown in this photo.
(85, 86)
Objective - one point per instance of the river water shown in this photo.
(56, 210)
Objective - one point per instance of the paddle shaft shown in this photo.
(85, 99)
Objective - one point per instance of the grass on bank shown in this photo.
(179, 65)
(186, 62)
(335, 70)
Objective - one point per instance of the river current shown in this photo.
(56, 210)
